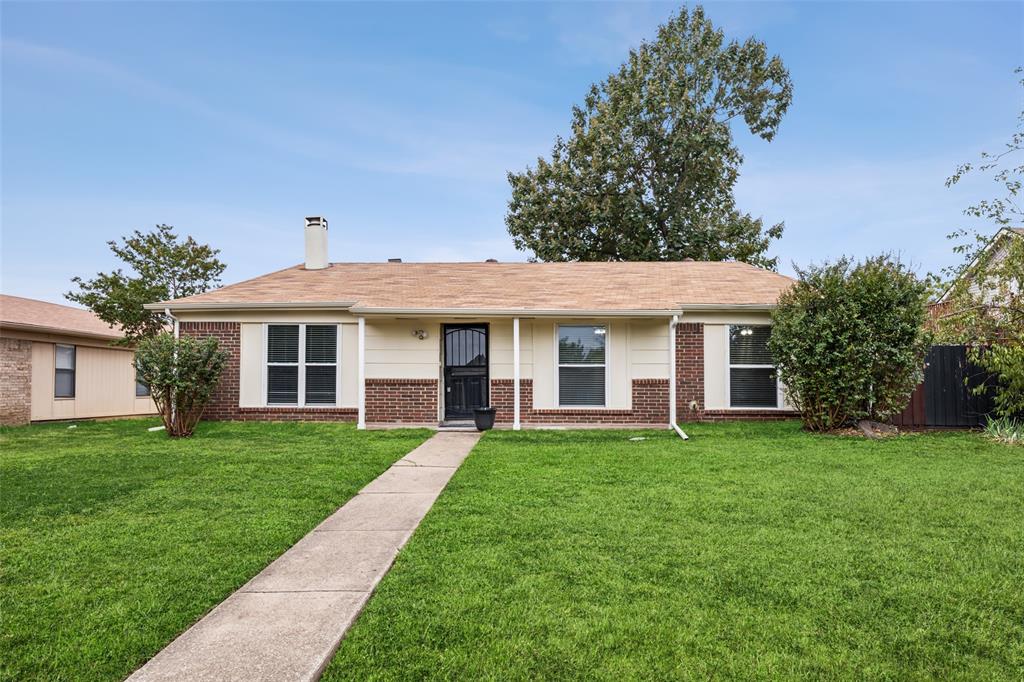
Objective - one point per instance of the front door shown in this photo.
(465, 369)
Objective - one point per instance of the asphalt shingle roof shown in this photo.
(29, 313)
(611, 286)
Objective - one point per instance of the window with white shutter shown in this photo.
(581, 365)
(302, 364)
(752, 380)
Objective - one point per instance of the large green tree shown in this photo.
(649, 170)
(161, 267)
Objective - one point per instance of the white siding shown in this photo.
(393, 352)
(649, 349)
(251, 359)
(501, 349)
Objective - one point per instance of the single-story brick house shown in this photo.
(544, 343)
(57, 362)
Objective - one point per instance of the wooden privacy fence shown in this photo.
(944, 399)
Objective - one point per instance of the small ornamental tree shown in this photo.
(849, 341)
(181, 375)
(161, 267)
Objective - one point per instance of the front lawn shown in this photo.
(752, 551)
(115, 539)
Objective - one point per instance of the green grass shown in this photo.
(752, 551)
(115, 539)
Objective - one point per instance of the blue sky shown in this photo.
(399, 122)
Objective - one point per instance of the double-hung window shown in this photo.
(581, 365)
(64, 372)
(302, 364)
(141, 387)
(752, 380)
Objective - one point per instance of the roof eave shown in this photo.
(46, 329)
(513, 312)
(313, 305)
(728, 307)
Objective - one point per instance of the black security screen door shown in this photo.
(465, 369)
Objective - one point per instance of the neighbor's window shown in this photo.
(581, 365)
(309, 377)
(141, 388)
(64, 372)
(752, 381)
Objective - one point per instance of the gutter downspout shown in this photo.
(515, 375)
(361, 372)
(672, 378)
(177, 334)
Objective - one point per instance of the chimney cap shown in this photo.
(394, 260)
(316, 221)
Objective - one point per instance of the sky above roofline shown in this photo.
(399, 122)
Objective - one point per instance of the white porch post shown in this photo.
(515, 374)
(672, 371)
(361, 373)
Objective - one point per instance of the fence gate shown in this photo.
(943, 399)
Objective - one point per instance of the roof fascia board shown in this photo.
(512, 312)
(316, 305)
(727, 307)
(44, 329)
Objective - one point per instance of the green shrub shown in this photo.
(1005, 361)
(849, 341)
(181, 375)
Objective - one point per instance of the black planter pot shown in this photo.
(484, 418)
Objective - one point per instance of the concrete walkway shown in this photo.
(286, 623)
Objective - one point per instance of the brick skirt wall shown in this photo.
(15, 382)
(650, 406)
(401, 401)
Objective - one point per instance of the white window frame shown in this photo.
(301, 365)
(729, 367)
(73, 370)
(606, 365)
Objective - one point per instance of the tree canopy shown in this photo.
(649, 170)
(983, 305)
(160, 268)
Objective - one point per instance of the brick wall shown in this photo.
(650, 406)
(224, 402)
(689, 371)
(15, 382)
(401, 401)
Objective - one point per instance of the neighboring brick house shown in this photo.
(569, 344)
(57, 362)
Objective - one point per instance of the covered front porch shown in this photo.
(537, 371)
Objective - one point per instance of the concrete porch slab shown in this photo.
(341, 560)
(385, 511)
(253, 637)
